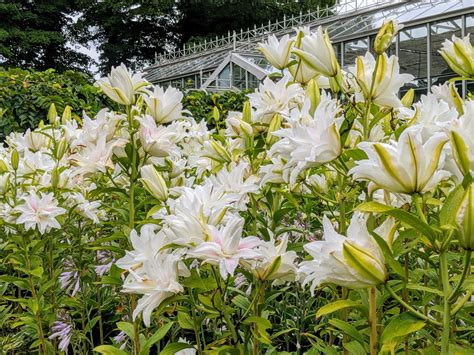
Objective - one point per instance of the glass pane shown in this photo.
(413, 51)
(253, 82)
(223, 79)
(440, 71)
(337, 50)
(238, 76)
(354, 49)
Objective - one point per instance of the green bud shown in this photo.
(55, 178)
(67, 115)
(408, 98)
(15, 159)
(465, 219)
(215, 114)
(314, 94)
(274, 125)
(460, 152)
(364, 263)
(52, 114)
(61, 148)
(385, 36)
(3, 166)
(247, 112)
(458, 102)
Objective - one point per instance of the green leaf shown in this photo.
(127, 328)
(160, 334)
(336, 306)
(173, 348)
(185, 321)
(447, 214)
(348, 329)
(400, 326)
(400, 215)
(109, 350)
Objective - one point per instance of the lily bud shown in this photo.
(61, 148)
(217, 152)
(247, 112)
(364, 263)
(459, 54)
(15, 159)
(67, 115)
(313, 93)
(385, 36)
(275, 125)
(215, 114)
(4, 183)
(55, 178)
(408, 98)
(3, 166)
(153, 182)
(277, 52)
(456, 98)
(52, 114)
(465, 219)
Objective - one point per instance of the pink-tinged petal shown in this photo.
(249, 243)
(207, 249)
(231, 264)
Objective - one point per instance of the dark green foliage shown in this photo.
(33, 34)
(209, 18)
(25, 96)
(127, 31)
(201, 103)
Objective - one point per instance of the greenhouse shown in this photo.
(233, 62)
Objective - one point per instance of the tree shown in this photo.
(209, 18)
(33, 34)
(127, 31)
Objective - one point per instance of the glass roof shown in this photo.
(341, 27)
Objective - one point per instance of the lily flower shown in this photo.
(316, 51)
(459, 54)
(227, 247)
(354, 261)
(121, 86)
(384, 87)
(277, 52)
(164, 105)
(407, 166)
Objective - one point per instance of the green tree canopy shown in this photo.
(33, 34)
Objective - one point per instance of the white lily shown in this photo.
(121, 86)
(39, 211)
(407, 166)
(164, 105)
(355, 261)
(462, 142)
(384, 87)
(227, 247)
(316, 51)
(459, 54)
(277, 52)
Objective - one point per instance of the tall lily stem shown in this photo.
(446, 304)
(373, 320)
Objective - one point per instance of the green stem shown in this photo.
(465, 272)
(418, 202)
(410, 308)
(373, 320)
(446, 304)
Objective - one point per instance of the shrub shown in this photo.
(26, 95)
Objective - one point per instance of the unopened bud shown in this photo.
(154, 182)
(408, 98)
(364, 263)
(465, 219)
(15, 159)
(247, 112)
(52, 114)
(385, 36)
(275, 125)
(314, 95)
(67, 115)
